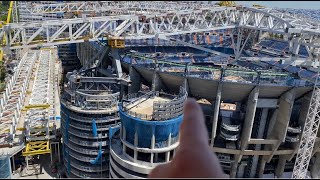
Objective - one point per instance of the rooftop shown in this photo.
(145, 106)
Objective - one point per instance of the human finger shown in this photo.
(193, 131)
(161, 171)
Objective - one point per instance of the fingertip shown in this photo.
(190, 105)
(193, 127)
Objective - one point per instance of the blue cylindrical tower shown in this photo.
(148, 135)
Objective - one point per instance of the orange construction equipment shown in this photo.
(208, 39)
(226, 3)
(195, 39)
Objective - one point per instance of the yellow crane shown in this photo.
(4, 23)
(226, 3)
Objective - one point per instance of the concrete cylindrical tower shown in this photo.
(88, 110)
(148, 136)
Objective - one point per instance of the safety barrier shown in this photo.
(88, 101)
(169, 110)
(80, 118)
(161, 110)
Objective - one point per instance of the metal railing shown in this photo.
(161, 110)
(14, 96)
(79, 118)
(169, 110)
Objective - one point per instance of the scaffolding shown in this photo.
(89, 108)
(40, 116)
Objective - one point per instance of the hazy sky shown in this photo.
(284, 4)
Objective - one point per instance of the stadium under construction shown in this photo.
(99, 87)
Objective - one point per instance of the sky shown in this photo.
(284, 4)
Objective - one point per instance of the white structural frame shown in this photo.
(149, 24)
(43, 92)
(14, 96)
(116, 6)
(175, 19)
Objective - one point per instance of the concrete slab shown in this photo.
(146, 107)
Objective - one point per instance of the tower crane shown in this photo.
(309, 135)
(7, 22)
(2, 75)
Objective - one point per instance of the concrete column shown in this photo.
(135, 155)
(153, 142)
(186, 84)
(216, 114)
(123, 91)
(241, 168)
(13, 163)
(168, 153)
(234, 166)
(280, 166)
(279, 131)
(261, 168)
(272, 121)
(59, 151)
(116, 61)
(304, 108)
(124, 138)
(302, 118)
(135, 78)
(249, 118)
(156, 82)
(294, 47)
(261, 130)
(51, 154)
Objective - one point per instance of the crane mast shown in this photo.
(309, 135)
(7, 22)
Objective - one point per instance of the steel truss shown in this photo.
(117, 7)
(77, 30)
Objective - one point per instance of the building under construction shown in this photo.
(252, 70)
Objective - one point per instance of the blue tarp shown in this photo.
(99, 157)
(94, 128)
(5, 171)
(95, 134)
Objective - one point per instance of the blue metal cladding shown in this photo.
(145, 129)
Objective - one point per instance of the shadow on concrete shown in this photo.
(46, 165)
